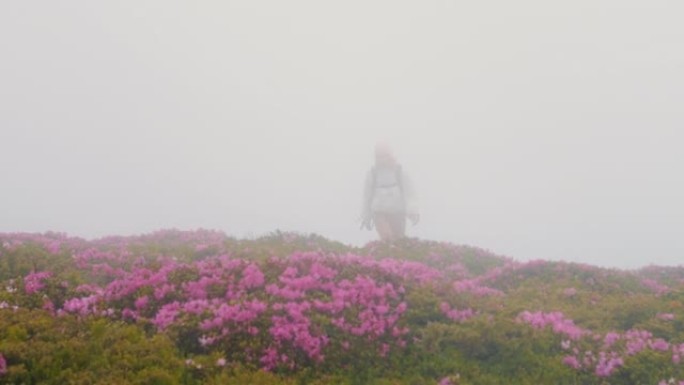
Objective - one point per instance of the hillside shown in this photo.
(199, 307)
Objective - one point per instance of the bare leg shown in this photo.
(398, 223)
(383, 226)
(390, 226)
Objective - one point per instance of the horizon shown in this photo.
(256, 237)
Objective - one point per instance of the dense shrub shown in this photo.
(180, 307)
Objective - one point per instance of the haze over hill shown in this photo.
(538, 130)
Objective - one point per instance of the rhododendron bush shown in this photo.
(290, 307)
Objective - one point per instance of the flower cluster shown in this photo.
(294, 307)
(455, 314)
(655, 286)
(33, 282)
(266, 305)
(556, 320)
(609, 356)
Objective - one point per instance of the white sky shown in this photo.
(536, 129)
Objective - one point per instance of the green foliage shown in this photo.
(32, 257)
(40, 348)
(241, 376)
(490, 348)
(645, 369)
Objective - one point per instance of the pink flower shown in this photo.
(610, 339)
(252, 277)
(659, 344)
(33, 282)
(607, 364)
(665, 316)
(572, 362)
(658, 288)
(161, 291)
(49, 306)
(384, 349)
(3, 365)
(166, 315)
(556, 320)
(269, 359)
(129, 314)
(142, 302)
(206, 341)
(454, 314)
(473, 286)
(82, 306)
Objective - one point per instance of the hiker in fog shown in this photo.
(388, 197)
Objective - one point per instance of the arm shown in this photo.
(366, 215)
(410, 198)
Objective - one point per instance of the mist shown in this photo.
(537, 130)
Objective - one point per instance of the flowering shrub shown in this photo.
(200, 307)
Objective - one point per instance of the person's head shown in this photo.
(384, 155)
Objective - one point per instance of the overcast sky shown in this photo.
(536, 129)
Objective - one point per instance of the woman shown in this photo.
(389, 197)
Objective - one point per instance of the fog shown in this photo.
(534, 129)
